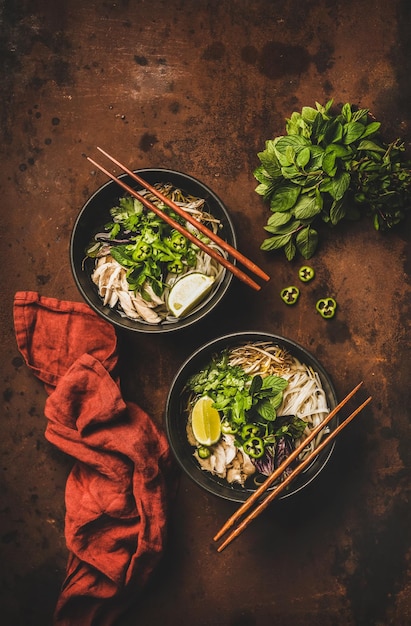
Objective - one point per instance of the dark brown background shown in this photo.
(199, 86)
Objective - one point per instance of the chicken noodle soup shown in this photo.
(139, 257)
(268, 402)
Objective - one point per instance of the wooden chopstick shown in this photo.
(250, 265)
(273, 477)
(213, 253)
(272, 495)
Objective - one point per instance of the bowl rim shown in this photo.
(210, 302)
(204, 479)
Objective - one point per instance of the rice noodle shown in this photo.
(304, 396)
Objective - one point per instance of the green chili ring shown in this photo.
(326, 307)
(306, 273)
(228, 429)
(203, 452)
(141, 252)
(254, 447)
(176, 266)
(290, 294)
(177, 242)
(250, 430)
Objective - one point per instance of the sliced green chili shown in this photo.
(254, 447)
(228, 429)
(203, 452)
(177, 242)
(306, 273)
(175, 267)
(290, 294)
(326, 307)
(142, 251)
(250, 430)
(191, 257)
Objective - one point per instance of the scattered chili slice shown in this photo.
(306, 273)
(326, 307)
(290, 294)
(254, 447)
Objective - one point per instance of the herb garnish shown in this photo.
(329, 167)
(147, 245)
(248, 404)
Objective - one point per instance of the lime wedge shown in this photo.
(205, 422)
(187, 292)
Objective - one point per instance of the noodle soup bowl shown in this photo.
(93, 218)
(177, 416)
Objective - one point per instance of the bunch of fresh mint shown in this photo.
(329, 167)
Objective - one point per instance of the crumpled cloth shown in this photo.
(117, 492)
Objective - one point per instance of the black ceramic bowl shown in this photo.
(176, 418)
(95, 214)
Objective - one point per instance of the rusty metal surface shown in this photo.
(199, 86)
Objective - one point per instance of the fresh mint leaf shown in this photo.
(333, 131)
(367, 144)
(360, 115)
(283, 229)
(306, 242)
(303, 157)
(329, 164)
(309, 114)
(292, 172)
(275, 383)
(285, 198)
(270, 161)
(290, 250)
(256, 385)
(337, 211)
(279, 219)
(347, 112)
(340, 185)
(306, 207)
(262, 189)
(290, 141)
(317, 155)
(352, 132)
(276, 242)
(267, 411)
(371, 129)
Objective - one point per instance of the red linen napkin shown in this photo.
(116, 493)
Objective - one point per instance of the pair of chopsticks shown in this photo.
(244, 508)
(174, 224)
